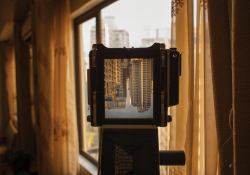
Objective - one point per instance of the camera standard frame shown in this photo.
(166, 72)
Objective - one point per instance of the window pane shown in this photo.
(136, 23)
(90, 134)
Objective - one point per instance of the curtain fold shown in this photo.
(229, 37)
(8, 109)
(26, 133)
(54, 92)
(240, 85)
(210, 139)
(181, 128)
(193, 126)
(219, 13)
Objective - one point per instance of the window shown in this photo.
(86, 32)
(89, 134)
(116, 25)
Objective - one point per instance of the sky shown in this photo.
(136, 16)
(139, 17)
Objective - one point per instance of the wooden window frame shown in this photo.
(92, 13)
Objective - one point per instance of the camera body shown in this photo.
(133, 86)
(129, 92)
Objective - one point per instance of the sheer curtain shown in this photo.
(193, 127)
(54, 92)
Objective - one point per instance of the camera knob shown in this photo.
(173, 48)
(89, 118)
(169, 118)
(162, 46)
(94, 47)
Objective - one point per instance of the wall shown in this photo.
(76, 4)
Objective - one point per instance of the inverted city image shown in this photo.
(128, 88)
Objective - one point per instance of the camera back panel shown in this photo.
(132, 86)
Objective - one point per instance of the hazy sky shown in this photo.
(139, 17)
(136, 16)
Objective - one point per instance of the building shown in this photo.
(118, 38)
(110, 21)
(141, 86)
(112, 77)
(146, 42)
(113, 84)
(119, 103)
(93, 34)
(124, 76)
(111, 36)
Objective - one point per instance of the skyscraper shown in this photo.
(146, 42)
(118, 38)
(112, 77)
(124, 75)
(93, 34)
(111, 36)
(141, 84)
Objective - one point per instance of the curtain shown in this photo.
(193, 127)
(26, 135)
(8, 86)
(182, 38)
(54, 92)
(229, 37)
(222, 79)
(211, 164)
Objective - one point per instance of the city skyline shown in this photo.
(115, 37)
(138, 20)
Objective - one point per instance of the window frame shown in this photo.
(95, 12)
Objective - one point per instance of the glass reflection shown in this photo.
(128, 88)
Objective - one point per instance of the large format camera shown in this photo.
(130, 90)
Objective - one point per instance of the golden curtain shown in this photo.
(193, 126)
(7, 86)
(54, 88)
(182, 38)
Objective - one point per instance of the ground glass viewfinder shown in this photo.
(128, 88)
(132, 86)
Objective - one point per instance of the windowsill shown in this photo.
(86, 167)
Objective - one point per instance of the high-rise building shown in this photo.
(141, 84)
(110, 20)
(93, 34)
(150, 41)
(118, 38)
(124, 75)
(114, 98)
(112, 77)
(111, 36)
